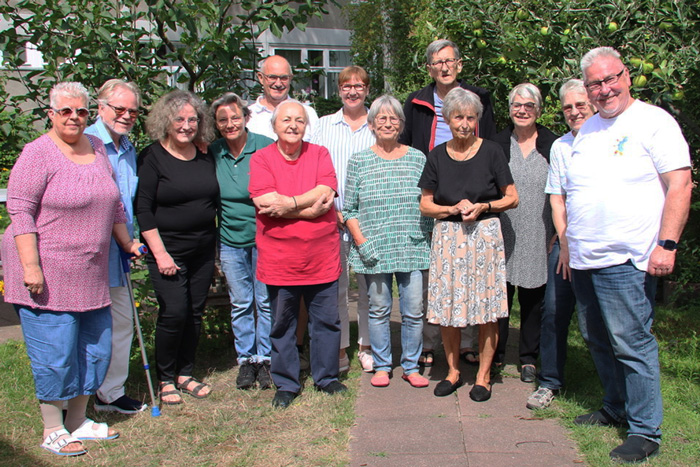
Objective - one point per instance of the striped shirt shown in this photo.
(335, 134)
(383, 195)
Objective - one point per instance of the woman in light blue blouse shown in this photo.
(390, 236)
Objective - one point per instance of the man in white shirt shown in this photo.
(559, 299)
(275, 75)
(628, 189)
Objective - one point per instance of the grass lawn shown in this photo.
(240, 428)
(230, 428)
(677, 332)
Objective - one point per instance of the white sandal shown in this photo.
(93, 430)
(58, 440)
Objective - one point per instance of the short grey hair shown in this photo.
(105, 93)
(461, 99)
(69, 89)
(287, 102)
(161, 116)
(573, 85)
(229, 98)
(527, 91)
(387, 102)
(592, 55)
(437, 46)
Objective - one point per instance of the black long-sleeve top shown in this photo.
(177, 197)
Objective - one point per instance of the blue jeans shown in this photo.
(411, 306)
(247, 295)
(615, 315)
(69, 351)
(559, 304)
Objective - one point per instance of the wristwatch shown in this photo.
(669, 245)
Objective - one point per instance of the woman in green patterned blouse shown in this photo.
(390, 237)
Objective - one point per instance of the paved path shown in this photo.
(408, 427)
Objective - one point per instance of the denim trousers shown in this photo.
(615, 315)
(379, 288)
(69, 351)
(559, 305)
(248, 298)
(324, 331)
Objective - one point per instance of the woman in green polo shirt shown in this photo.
(237, 250)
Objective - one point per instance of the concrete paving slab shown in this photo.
(404, 426)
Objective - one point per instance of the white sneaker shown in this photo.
(540, 399)
(366, 360)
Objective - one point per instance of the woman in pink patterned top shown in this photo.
(64, 207)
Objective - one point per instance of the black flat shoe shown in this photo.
(634, 449)
(283, 399)
(480, 393)
(445, 387)
(598, 418)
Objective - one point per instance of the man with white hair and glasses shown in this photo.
(275, 75)
(628, 190)
(118, 108)
(559, 299)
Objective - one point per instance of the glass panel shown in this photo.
(332, 79)
(340, 58)
(292, 56)
(315, 57)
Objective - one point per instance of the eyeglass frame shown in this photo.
(180, 121)
(450, 62)
(62, 112)
(359, 87)
(529, 106)
(582, 105)
(274, 78)
(611, 80)
(119, 111)
(384, 119)
(236, 119)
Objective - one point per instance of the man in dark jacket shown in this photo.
(425, 126)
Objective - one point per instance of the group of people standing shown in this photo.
(427, 192)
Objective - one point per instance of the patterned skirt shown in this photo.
(467, 279)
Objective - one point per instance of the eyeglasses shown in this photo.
(133, 113)
(349, 87)
(528, 106)
(382, 119)
(225, 121)
(179, 121)
(273, 78)
(595, 86)
(579, 106)
(82, 112)
(450, 62)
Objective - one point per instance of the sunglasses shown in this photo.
(82, 112)
(133, 113)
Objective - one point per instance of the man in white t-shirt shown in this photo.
(628, 188)
(275, 75)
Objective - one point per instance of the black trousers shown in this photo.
(181, 300)
(531, 302)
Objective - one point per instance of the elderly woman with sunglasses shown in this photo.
(390, 236)
(527, 230)
(65, 208)
(176, 205)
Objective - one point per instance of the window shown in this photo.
(292, 56)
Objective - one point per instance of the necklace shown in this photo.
(454, 154)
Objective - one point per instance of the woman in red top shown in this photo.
(292, 184)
